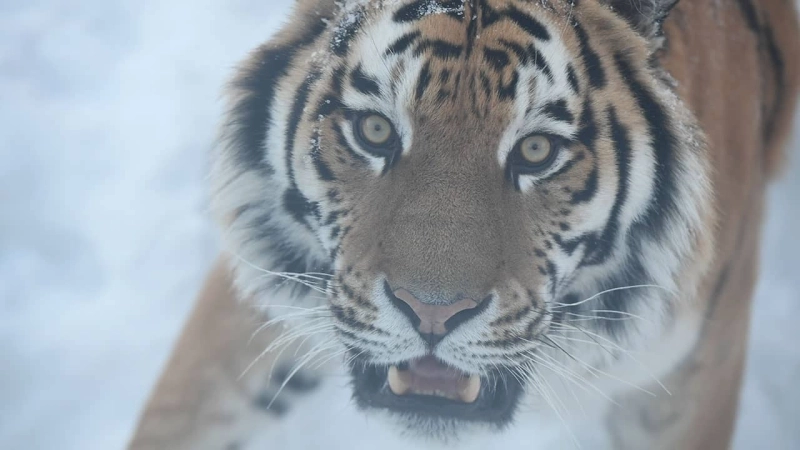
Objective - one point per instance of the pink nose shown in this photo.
(432, 318)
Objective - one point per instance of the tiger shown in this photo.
(486, 215)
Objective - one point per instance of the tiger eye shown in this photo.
(376, 129)
(536, 149)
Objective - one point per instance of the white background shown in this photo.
(107, 111)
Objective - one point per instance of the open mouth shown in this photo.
(428, 387)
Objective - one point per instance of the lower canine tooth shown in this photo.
(470, 389)
(399, 382)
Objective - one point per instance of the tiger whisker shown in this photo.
(282, 341)
(549, 402)
(591, 371)
(559, 305)
(559, 369)
(276, 320)
(284, 275)
(311, 354)
(626, 352)
(565, 370)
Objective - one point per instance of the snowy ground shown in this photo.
(108, 109)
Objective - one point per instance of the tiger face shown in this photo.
(497, 194)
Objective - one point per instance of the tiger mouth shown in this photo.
(429, 388)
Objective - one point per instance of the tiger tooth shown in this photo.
(470, 389)
(399, 382)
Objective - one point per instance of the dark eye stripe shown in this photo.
(363, 83)
(323, 169)
(342, 141)
(558, 110)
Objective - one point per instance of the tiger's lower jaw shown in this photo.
(436, 400)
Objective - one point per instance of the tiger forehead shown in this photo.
(461, 28)
(472, 50)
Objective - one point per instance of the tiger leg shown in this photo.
(209, 396)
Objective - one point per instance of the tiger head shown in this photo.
(484, 197)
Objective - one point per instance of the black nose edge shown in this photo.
(402, 306)
(450, 324)
(467, 314)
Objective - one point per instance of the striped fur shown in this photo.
(636, 197)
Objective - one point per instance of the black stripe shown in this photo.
(780, 87)
(488, 14)
(348, 316)
(568, 246)
(333, 216)
(513, 316)
(663, 142)
(363, 83)
(322, 168)
(402, 43)
(588, 191)
(496, 58)
(553, 273)
(331, 102)
(516, 49)
(423, 81)
(558, 110)
(508, 91)
(622, 145)
(472, 30)
(588, 137)
(750, 15)
(768, 49)
(297, 205)
(566, 167)
(337, 80)
(573, 79)
(251, 116)
(421, 8)
(346, 32)
(293, 200)
(360, 300)
(528, 23)
(588, 130)
(591, 61)
(486, 84)
(540, 62)
(441, 49)
(296, 114)
(444, 76)
(412, 12)
(328, 105)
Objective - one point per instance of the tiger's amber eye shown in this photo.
(376, 129)
(536, 149)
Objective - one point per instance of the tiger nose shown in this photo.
(434, 322)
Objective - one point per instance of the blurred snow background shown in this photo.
(107, 112)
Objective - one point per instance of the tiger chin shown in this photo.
(490, 207)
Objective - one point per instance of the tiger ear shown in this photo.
(645, 16)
